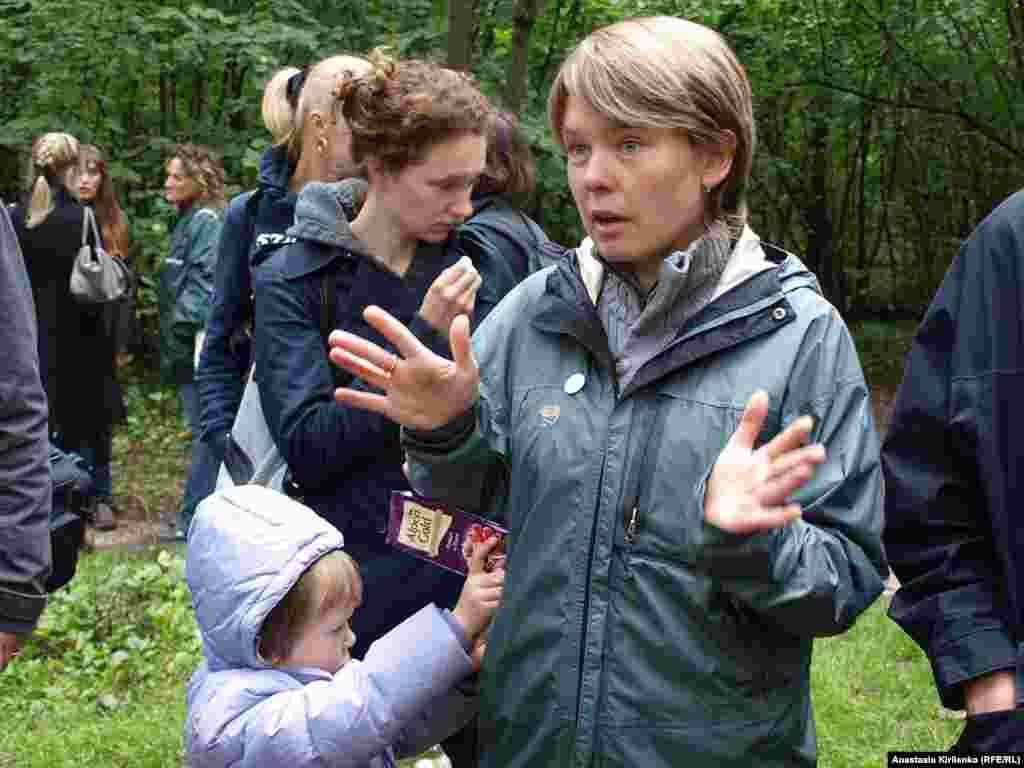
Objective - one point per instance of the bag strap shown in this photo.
(88, 222)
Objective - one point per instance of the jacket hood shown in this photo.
(323, 211)
(247, 547)
(276, 170)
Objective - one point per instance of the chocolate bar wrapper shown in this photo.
(436, 532)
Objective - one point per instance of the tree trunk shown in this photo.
(165, 102)
(463, 25)
(523, 18)
(238, 121)
(817, 214)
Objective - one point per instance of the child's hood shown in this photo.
(247, 546)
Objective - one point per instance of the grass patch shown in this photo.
(101, 682)
(873, 692)
(151, 452)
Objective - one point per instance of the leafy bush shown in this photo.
(105, 637)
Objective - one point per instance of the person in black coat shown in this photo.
(75, 349)
(24, 470)
(953, 459)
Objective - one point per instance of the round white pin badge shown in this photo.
(575, 383)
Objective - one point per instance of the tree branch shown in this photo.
(988, 131)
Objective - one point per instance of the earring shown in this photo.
(706, 188)
(321, 145)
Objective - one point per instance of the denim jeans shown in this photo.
(207, 456)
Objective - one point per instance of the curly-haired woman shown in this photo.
(72, 336)
(420, 130)
(195, 184)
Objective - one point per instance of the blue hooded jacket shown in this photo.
(252, 219)
(248, 546)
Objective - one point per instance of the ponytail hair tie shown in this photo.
(294, 88)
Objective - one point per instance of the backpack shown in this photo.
(72, 499)
(250, 453)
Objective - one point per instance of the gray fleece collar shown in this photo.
(322, 210)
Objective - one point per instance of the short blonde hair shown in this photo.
(331, 581)
(665, 72)
(53, 155)
(286, 117)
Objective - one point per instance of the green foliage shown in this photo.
(118, 640)
(882, 348)
(899, 120)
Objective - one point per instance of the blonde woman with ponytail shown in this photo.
(72, 337)
(308, 144)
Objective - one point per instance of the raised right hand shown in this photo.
(481, 594)
(452, 293)
(421, 389)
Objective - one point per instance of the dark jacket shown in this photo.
(76, 355)
(954, 466)
(631, 632)
(24, 469)
(346, 460)
(506, 245)
(252, 220)
(186, 289)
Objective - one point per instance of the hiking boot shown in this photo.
(103, 517)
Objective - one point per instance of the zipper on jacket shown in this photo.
(632, 521)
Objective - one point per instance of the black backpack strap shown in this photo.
(328, 301)
(329, 318)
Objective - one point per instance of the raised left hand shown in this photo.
(747, 490)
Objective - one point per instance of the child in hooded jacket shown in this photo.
(273, 594)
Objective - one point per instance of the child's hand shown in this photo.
(479, 649)
(481, 594)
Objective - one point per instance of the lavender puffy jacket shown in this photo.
(247, 547)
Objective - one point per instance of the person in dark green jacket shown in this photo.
(636, 415)
(195, 184)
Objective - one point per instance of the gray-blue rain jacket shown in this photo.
(632, 633)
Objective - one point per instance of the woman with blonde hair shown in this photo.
(636, 415)
(73, 339)
(195, 185)
(309, 144)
